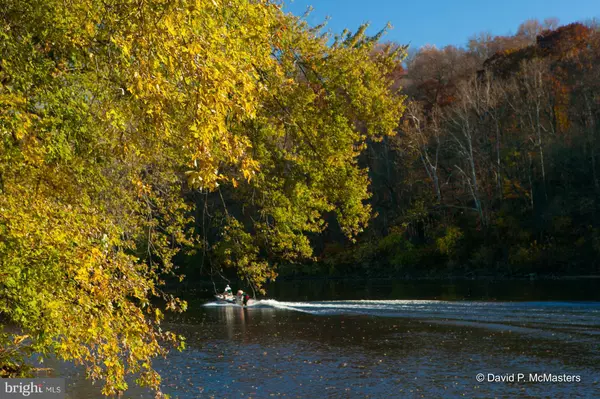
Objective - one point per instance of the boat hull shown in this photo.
(231, 300)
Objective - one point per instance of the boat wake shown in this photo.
(582, 318)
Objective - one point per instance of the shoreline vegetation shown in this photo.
(144, 144)
(205, 290)
(475, 275)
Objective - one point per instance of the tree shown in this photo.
(465, 133)
(484, 46)
(423, 132)
(434, 72)
(308, 137)
(111, 113)
(530, 29)
(536, 108)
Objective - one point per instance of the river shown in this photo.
(383, 339)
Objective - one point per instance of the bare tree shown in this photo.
(483, 45)
(536, 106)
(487, 103)
(462, 129)
(423, 133)
(551, 23)
(530, 29)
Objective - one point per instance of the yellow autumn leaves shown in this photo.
(111, 113)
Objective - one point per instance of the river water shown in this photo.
(386, 339)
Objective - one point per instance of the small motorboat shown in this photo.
(225, 298)
(233, 299)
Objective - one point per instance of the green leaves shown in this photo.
(321, 106)
(111, 113)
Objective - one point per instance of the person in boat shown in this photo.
(242, 297)
(227, 291)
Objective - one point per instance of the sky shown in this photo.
(441, 22)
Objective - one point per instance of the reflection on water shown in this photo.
(378, 348)
(234, 319)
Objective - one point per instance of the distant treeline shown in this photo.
(495, 166)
